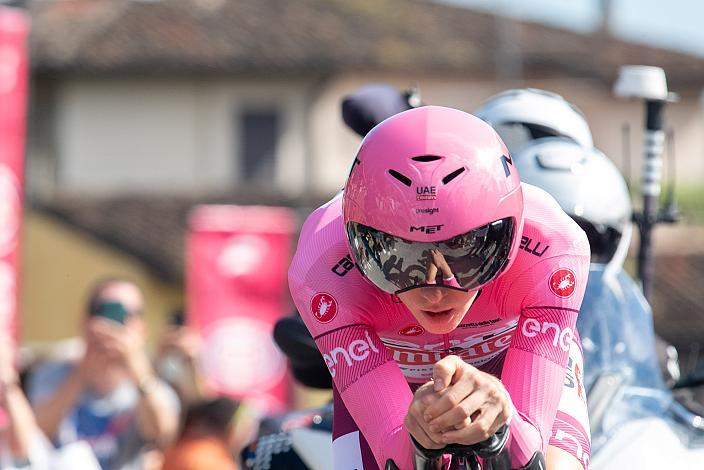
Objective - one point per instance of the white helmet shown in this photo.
(586, 184)
(522, 115)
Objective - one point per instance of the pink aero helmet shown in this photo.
(433, 198)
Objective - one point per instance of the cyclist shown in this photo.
(434, 190)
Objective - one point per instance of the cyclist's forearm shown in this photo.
(535, 385)
(372, 388)
(382, 415)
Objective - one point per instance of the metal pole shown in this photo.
(652, 175)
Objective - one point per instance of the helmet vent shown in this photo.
(402, 178)
(425, 158)
(453, 175)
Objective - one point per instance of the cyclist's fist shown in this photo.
(414, 421)
(471, 405)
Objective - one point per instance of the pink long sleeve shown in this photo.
(534, 368)
(341, 311)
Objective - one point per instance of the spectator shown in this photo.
(205, 438)
(110, 397)
(22, 444)
(20, 430)
(177, 360)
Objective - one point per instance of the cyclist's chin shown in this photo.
(439, 321)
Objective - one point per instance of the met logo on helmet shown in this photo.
(427, 228)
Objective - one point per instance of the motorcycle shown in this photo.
(630, 407)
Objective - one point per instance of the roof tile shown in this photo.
(318, 36)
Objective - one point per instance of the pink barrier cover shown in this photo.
(14, 27)
(236, 263)
(13, 108)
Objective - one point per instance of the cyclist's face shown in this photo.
(439, 310)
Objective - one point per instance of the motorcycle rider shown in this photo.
(522, 115)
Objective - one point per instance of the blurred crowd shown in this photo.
(101, 402)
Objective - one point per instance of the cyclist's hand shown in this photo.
(472, 404)
(416, 425)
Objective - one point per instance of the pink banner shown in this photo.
(13, 107)
(237, 259)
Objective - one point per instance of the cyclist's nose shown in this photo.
(433, 295)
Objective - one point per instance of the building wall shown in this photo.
(177, 136)
(59, 266)
(181, 136)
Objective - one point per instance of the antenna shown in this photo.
(649, 85)
(626, 152)
(413, 97)
(669, 213)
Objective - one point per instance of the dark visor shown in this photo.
(464, 262)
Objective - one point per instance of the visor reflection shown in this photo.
(466, 261)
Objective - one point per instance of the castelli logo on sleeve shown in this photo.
(562, 282)
(324, 307)
(412, 330)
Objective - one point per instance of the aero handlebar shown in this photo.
(491, 452)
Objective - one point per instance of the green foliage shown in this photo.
(689, 200)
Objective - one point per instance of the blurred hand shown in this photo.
(183, 340)
(121, 344)
(95, 360)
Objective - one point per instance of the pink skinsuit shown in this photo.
(520, 328)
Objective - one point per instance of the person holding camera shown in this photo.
(110, 397)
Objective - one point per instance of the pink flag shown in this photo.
(14, 27)
(237, 259)
(13, 105)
